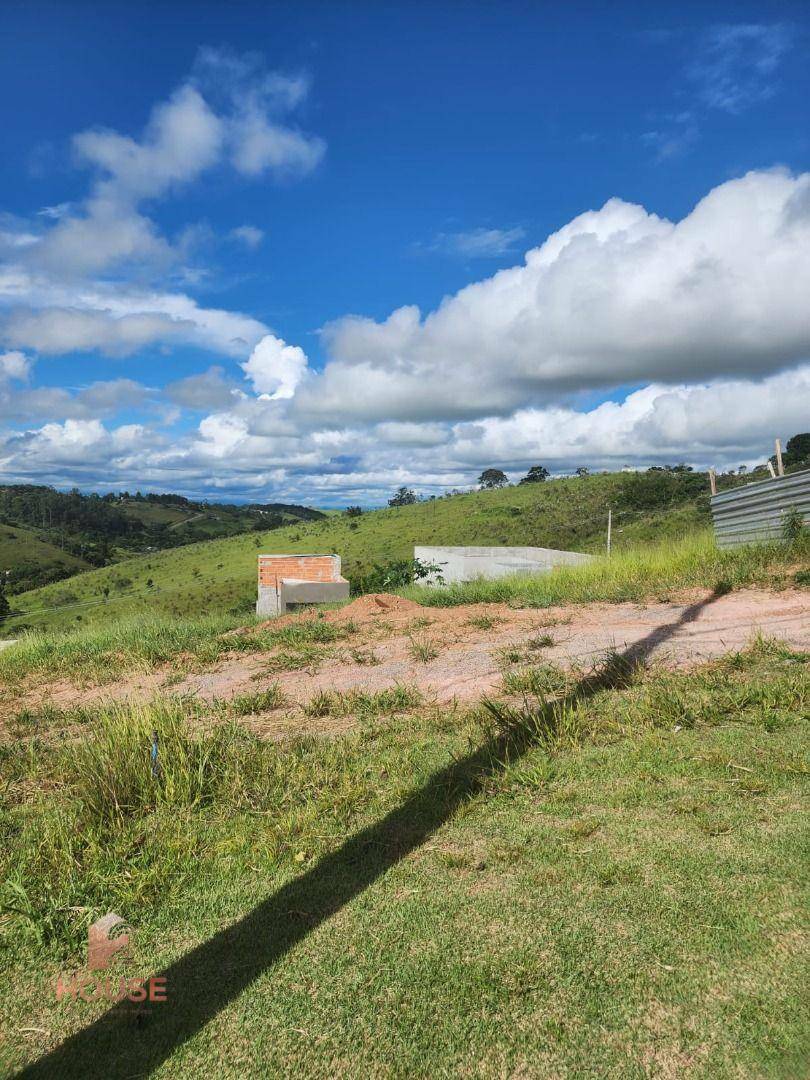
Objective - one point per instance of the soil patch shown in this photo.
(374, 604)
(469, 646)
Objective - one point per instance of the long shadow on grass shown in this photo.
(205, 980)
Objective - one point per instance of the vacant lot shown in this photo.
(597, 870)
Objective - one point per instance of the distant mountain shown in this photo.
(46, 535)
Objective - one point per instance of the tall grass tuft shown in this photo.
(364, 704)
(258, 702)
(94, 829)
(113, 774)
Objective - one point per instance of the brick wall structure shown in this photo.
(289, 579)
(273, 568)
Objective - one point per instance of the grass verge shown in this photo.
(653, 571)
(102, 654)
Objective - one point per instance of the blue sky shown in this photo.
(315, 173)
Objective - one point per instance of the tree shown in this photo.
(536, 475)
(402, 497)
(5, 607)
(797, 449)
(493, 478)
(682, 468)
(354, 511)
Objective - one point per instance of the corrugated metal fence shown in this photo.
(758, 511)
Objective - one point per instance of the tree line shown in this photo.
(796, 455)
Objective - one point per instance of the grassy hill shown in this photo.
(189, 522)
(31, 559)
(219, 575)
(51, 535)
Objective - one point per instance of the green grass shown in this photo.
(102, 654)
(259, 702)
(220, 575)
(47, 716)
(423, 649)
(483, 622)
(609, 885)
(539, 679)
(651, 571)
(150, 513)
(363, 704)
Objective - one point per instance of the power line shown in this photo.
(79, 603)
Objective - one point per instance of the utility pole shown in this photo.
(610, 523)
(779, 466)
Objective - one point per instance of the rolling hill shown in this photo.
(27, 559)
(188, 522)
(219, 575)
(50, 535)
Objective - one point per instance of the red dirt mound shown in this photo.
(362, 609)
(377, 604)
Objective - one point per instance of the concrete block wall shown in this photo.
(458, 564)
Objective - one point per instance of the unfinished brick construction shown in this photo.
(298, 579)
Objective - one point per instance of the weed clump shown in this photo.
(258, 702)
(423, 649)
(363, 704)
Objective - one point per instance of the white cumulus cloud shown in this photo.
(98, 273)
(706, 319)
(276, 368)
(617, 296)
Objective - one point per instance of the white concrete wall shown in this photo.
(468, 563)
